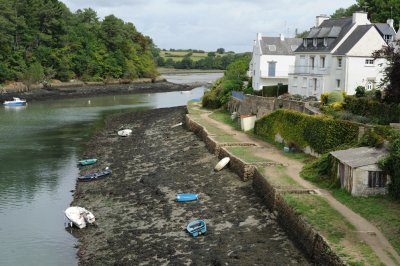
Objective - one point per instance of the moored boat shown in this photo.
(197, 227)
(221, 164)
(186, 197)
(96, 175)
(15, 102)
(87, 161)
(79, 217)
(125, 132)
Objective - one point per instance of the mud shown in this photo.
(140, 223)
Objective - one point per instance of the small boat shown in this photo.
(87, 161)
(124, 132)
(177, 125)
(221, 164)
(15, 102)
(197, 227)
(186, 197)
(96, 175)
(79, 217)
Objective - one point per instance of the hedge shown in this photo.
(321, 133)
(381, 113)
(272, 91)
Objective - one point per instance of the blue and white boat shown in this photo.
(95, 175)
(186, 197)
(15, 102)
(87, 162)
(197, 227)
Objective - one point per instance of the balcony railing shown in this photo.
(278, 74)
(308, 70)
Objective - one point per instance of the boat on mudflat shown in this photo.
(79, 217)
(96, 175)
(186, 197)
(87, 162)
(15, 102)
(197, 227)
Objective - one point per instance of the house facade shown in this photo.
(359, 172)
(337, 55)
(271, 59)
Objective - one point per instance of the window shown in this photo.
(369, 62)
(272, 48)
(325, 42)
(315, 42)
(305, 42)
(377, 179)
(338, 83)
(271, 69)
(370, 85)
(388, 38)
(312, 62)
(339, 62)
(322, 61)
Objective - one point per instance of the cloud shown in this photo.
(211, 24)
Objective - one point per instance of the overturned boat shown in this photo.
(186, 197)
(125, 132)
(221, 164)
(87, 162)
(96, 175)
(79, 217)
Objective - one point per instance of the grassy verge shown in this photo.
(225, 117)
(338, 231)
(246, 154)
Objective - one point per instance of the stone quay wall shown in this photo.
(302, 233)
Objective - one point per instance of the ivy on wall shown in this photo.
(321, 133)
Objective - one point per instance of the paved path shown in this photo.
(364, 229)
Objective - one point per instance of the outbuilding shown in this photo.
(359, 172)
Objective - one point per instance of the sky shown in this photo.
(211, 24)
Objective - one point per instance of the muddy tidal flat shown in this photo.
(140, 223)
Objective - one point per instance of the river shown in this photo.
(39, 149)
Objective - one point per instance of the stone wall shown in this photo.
(303, 234)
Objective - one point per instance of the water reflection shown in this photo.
(15, 108)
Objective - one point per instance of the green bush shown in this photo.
(324, 98)
(335, 96)
(391, 165)
(360, 91)
(372, 139)
(323, 170)
(273, 91)
(321, 133)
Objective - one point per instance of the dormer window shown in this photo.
(388, 38)
(305, 42)
(272, 48)
(315, 42)
(325, 42)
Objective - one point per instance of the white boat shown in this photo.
(221, 164)
(79, 216)
(15, 102)
(124, 132)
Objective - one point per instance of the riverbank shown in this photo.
(138, 220)
(83, 90)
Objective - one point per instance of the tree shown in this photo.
(34, 74)
(391, 73)
(345, 12)
(220, 50)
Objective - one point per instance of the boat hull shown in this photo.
(79, 216)
(196, 228)
(95, 175)
(15, 102)
(87, 162)
(186, 197)
(221, 164)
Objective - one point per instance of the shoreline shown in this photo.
(72, 91)
(138, 218)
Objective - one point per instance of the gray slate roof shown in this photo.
(361, 156)
(354, 37)
(285, 47)
(385, 29)
(332, 29)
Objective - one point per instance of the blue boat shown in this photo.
(15, 102)
(96, 175)
(197, 227)
(186, 197)
(87, 161)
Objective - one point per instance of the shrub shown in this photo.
(324, 98)
(273, 91)
(337, 106)
(391, 165)
(335, 96)
(360, 91)
(372, 139)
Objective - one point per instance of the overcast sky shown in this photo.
(211, 24)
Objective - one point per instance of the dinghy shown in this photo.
(15, 102)
(96, 175)
(197, 227)
(125, 132)
(177, 125)
(87, 162)
(79, 217)
(186, 197)
(221, 164)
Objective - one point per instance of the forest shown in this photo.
(45, 40)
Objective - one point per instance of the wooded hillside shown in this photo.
(44, 38)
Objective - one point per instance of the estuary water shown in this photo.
(39, 149)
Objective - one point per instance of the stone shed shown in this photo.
(359, 172)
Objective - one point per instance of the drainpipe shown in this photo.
(346, 75)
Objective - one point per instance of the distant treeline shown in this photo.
(211, 61)
(42, 38)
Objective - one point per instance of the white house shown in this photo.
(337, 55)
(271, 59)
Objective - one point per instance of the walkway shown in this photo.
(364, 229)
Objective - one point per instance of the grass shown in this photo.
(379, 210)
(246, 154)
(179, 55)
(334, 227)
(225, 117)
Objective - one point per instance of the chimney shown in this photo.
(320, 19)
(282, 37)
(360, 18)
(390, 22)
(259, 36)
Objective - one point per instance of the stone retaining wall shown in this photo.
(303, 234)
